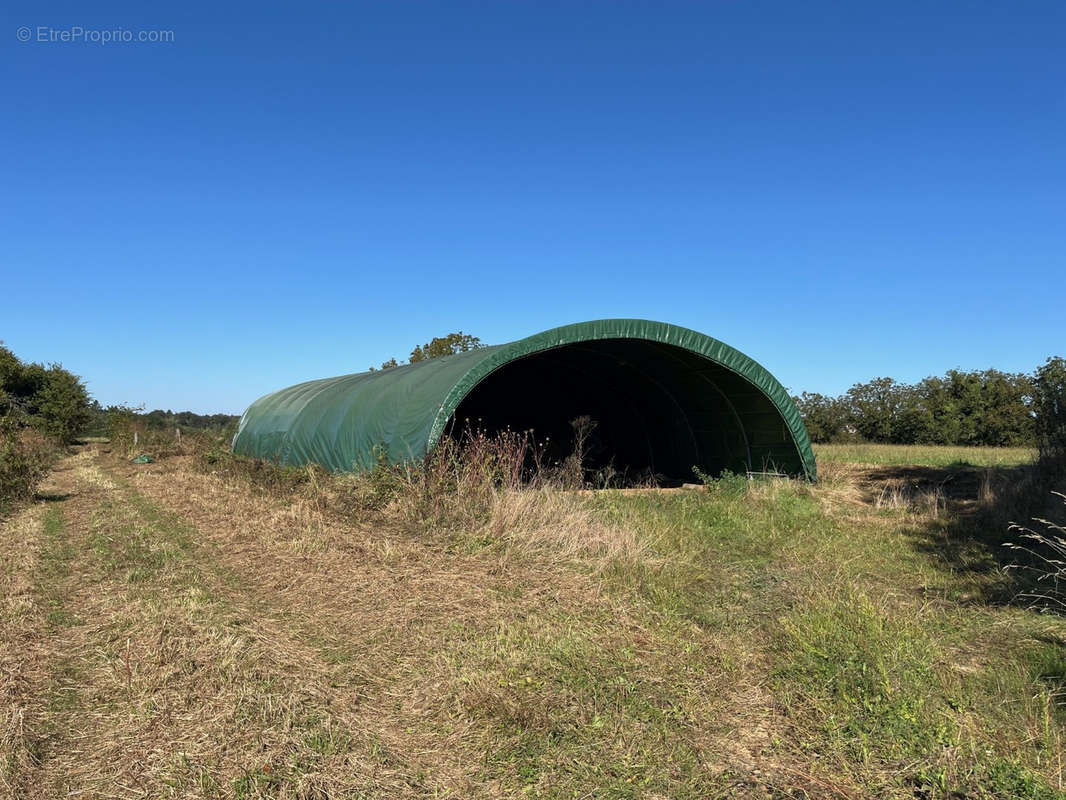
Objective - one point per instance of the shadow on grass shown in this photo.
(966, 513)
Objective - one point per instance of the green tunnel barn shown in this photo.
(664, 399)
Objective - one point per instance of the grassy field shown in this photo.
(924, 455)
(168, 632)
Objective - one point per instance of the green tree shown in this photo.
(942, 422)
(10, 367)
(1007, 409)
(911, 419)
(20, 382)
(989, 407)
(873, 407)
(826, 418)
(451, 344)
(1049, 404)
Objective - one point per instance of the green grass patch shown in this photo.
(864, 638)
(875, 693)
(57, 554)
(66, 675)
(923, 455)
(128, 546)
(568, 711)
(863, 675)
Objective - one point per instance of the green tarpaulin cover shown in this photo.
(665, 399)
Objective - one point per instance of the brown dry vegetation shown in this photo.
(171, 632)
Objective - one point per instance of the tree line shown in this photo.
(102, 419)
(973, 408)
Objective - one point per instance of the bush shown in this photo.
(214, 456)
(126, 431)
(50, 399)
(62, 405)
(25, 457)
(132, 433)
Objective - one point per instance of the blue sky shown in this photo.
(840, 190)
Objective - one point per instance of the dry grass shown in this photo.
(174, 633)
(561, 524)
(900, 494)
(238, 630)
(1044, 541)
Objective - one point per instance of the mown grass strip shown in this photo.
(54, 569)
(925, 455)
(177, 591)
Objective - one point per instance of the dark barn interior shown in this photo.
(659, 410)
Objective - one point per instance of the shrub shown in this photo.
(62, 405)
(131, 433)
(50, 399)
(212, 455)
(25, 457)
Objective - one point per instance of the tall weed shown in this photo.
(1043, 551)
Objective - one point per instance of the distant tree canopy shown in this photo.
(187, 419)
(51, 399)
(988, 407)
(103, 419)
(449, 345)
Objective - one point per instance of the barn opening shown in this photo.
(657, 410)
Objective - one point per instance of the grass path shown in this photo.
(189, 646)
(164, 680)
(42, 640)
(465, 661)
(167, 634)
